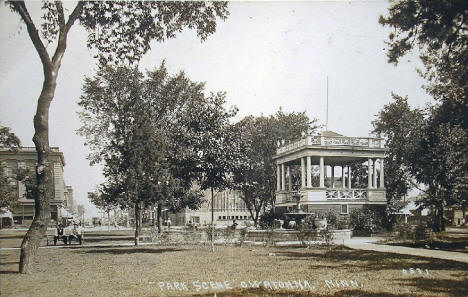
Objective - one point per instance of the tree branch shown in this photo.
(21, 9)
(62, 40)
(74, 15)
(61, 17)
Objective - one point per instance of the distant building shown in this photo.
(455, 216)
(228, 206)
(26, 158)
(330, 155)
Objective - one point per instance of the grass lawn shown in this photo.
(169, 270)
(455, 240)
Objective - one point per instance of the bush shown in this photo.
(343, 223)
(267, 219)
(327, 237)
(332, 218)
(364, 220)
(305, 235)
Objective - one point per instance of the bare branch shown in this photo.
(61, 17)
(62, 40)
(21, 9)
(74, 15)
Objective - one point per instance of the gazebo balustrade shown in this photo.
(330, 153)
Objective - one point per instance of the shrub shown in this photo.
(364, 220)
(243, 234)
(305, 235)
(327, 237)
(343, 223)
(332, 218)
(267, 219)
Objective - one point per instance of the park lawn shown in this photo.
(446, 241)
(138, 271)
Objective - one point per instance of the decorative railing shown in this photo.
(294, 196)
(346, 194)
(318, 140)
(29, 149)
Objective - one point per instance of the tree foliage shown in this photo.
(8, 195)
(156, 134)
(400, 125)
(438, 155)
(120, 31)
(255, 173)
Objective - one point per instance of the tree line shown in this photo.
(121, 33)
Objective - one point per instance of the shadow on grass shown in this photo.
(261, 292)
(9, 263)
(438, 286)
(132, 250)
(12, 236)
(110, 238)
(456, 245)
(376, 261)
(8, 272)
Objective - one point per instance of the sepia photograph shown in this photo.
(234, 148)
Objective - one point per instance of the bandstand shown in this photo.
(329, 157)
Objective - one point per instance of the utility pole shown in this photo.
(326, 126)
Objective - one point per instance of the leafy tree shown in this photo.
(255, 173)
(8, 195)
(212, 139)
(118, 31)
(80, 209)
(8, 139)
(101, 203)
(400, 126)
(439, 29)
(155, 134)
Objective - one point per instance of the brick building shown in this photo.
(26, 158)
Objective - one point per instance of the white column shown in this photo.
(289, 178)
(369, 173)
(375, 174)
(278, 177)
(343, 176)
(283, 181)
(309, 172)
(303, 173)
(382, 181)
(333, 176)
(349, 177)
(322, 173)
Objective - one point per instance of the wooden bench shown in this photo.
(50, 235)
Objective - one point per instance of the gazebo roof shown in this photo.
(329, 133)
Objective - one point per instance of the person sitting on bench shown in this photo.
(59, 234)
(77, 233)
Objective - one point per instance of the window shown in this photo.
(344, 209)
(219, 217)
(224, 217)
(195, 219)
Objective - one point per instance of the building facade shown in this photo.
(26, 158)
(323, 163)
(228, 206)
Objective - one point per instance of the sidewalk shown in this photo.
(369, 244)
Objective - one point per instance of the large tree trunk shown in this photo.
(108, 220)
(442, 220)
(212, 220)
(137, 223)
(44, 174)
(159, 217)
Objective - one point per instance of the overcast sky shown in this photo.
(266, 55)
